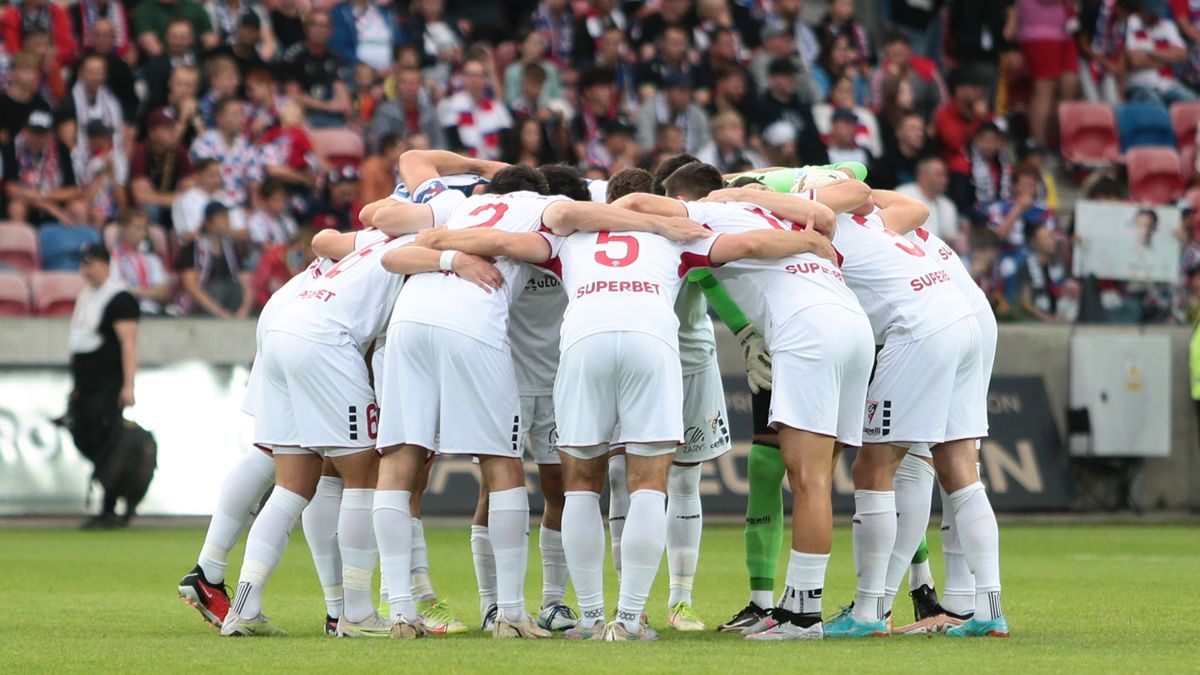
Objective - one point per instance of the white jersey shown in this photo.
(697, 342)
(534, 322)
(598, 189)
(624, 282)
(906, 293)
(350, 302)
(461, 182)
(935, 246)
(770, 292)
(445, 300)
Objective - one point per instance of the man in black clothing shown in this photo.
(898, 165)
(120, 79)
(780, 102)
(20, 98)
(313, 75)
(178, 53)
(103, 344)
(244, 48)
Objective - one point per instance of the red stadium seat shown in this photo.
(1184, 118)
(54, 293)
(1089, 133)
(340, 146)
(19, 246)
(14, 295)
(1155, 175)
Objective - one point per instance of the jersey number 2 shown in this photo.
(498, 210)
(606, 238)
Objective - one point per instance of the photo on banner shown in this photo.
(1127, 242)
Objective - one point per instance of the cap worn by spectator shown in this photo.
(346, 174)
(963, 77)
(844, 115)
(779, 133)
(676, 81)
(782, 66)
(160, 118)
(214, 209)
(93, 253)
(250, 20)
(98, 129)
(40, 120)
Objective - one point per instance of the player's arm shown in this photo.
(899, 213)
(483, 241)
(819, 216)
(565, 217)
(333, 244)
(844, 195)
(402, 218)
(644, 202)
(770, 245)
(418, 166)
(414, 259)
(367, 213)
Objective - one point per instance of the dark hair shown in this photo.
(566, 181)
(668, 167)
(129, 214)
(518, 178)
(628, 181)
(693, 180)
(203, 163)
(1147, 212)
(894, 35)
(1104, 187)
(596, 76)
(271, 187)
(534, 72)
(388, 141)
(221, 105)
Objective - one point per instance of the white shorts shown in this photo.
(253, 386)
(820, 365)
(448, 392)
(988, 335)
(705, 421)
(538, 433)
(315, 397)
(929, 390)
(625, 378)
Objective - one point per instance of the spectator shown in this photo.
(271, 224)
(104, 359)
(289, 154)
(177, 53)
(897, 102)
(215, 282)
(670, 62)
(839, 59)
(337, 209)
(151, 18)
(977, 35)
(380, 173)
(1011, 218)
(40, 175)
(668, 143)
(674, 105)
(591, 29)
(224, 81)
(533, 46)
(1101, 44)
(1187, 20)
(928, 90)
(1153, 49)
(287, 24)
(19, 19)
(991, 168)
(620, 149)
(138, 267)
(954, 125)
(54, 87)
(841, 97)
(899, 164)
(780, 103)
(550, 114)
(788, 13)
(843, 144)
(731, 92)
(20, 97)
(728, 148)
(101, 40)
(364, 97)
(921, 23)
(364, 32)
(247, 44)
(187, 213)
(92, 101)
(103, 173)
(281, 262)
(313, 75)
(778, 42)
(655, 24)
(440, 41)
(182, 105)
(839, 20)
(1050, 57)
(930, 189)
(61, 244)
(229, 19)
(411, 112)
(526, 144)
(720, 55)
(262, 103)
(471, 119)
(597, 104)
(613, 55)
(159, 169)
(556, 21)
(241, 162)
(779, 145)
(1040, 279)
(1032, 157)
(86, 13)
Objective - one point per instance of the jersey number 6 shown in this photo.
(631, 249)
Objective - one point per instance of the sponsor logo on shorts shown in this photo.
(882, 426)
(352, 416)
(694, 438)
(516, 433)
(553, 440)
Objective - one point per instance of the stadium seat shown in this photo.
(1144, 124)
(1184, 118)
(1155, 175)
(54, 293)
(60, 245)
(19, 246)
(1089, 133)
(14, 295)
(340, 146)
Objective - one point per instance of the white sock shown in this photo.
(320, 522)
(356, 540)
(980, 538)
(554, 566)
(874, 533)
(264, 547)
(913, 484)
(642, 545)
(508, 530)
(805, 583)
(422, 587)
(762, 598)
(583, 546)
(618, 506)
(920, 575)
(958, 597)
(485, 566)
(241, 491)
(685, 520)
(393, 531)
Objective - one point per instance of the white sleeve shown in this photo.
(699, 212)
(444, 203)
(696, 253)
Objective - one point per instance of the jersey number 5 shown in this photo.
(631, 249)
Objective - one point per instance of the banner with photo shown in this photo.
(1127, 242)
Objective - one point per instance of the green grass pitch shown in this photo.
(1079, 598)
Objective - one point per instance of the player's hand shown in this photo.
(479, 271)
(432, 237)
(677, 228)
(126, 399)
(819, 244)
(758, 361)
(825, 230)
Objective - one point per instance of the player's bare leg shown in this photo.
(583, 538)
(508, 530)
(399, 474)
(357, 544)
(955, 462)
(320, 524)
(481, 555)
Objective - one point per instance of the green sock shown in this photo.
(764, 516)
(922, 552)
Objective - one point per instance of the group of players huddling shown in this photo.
(494, 309)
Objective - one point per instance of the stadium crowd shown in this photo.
(205, 143)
